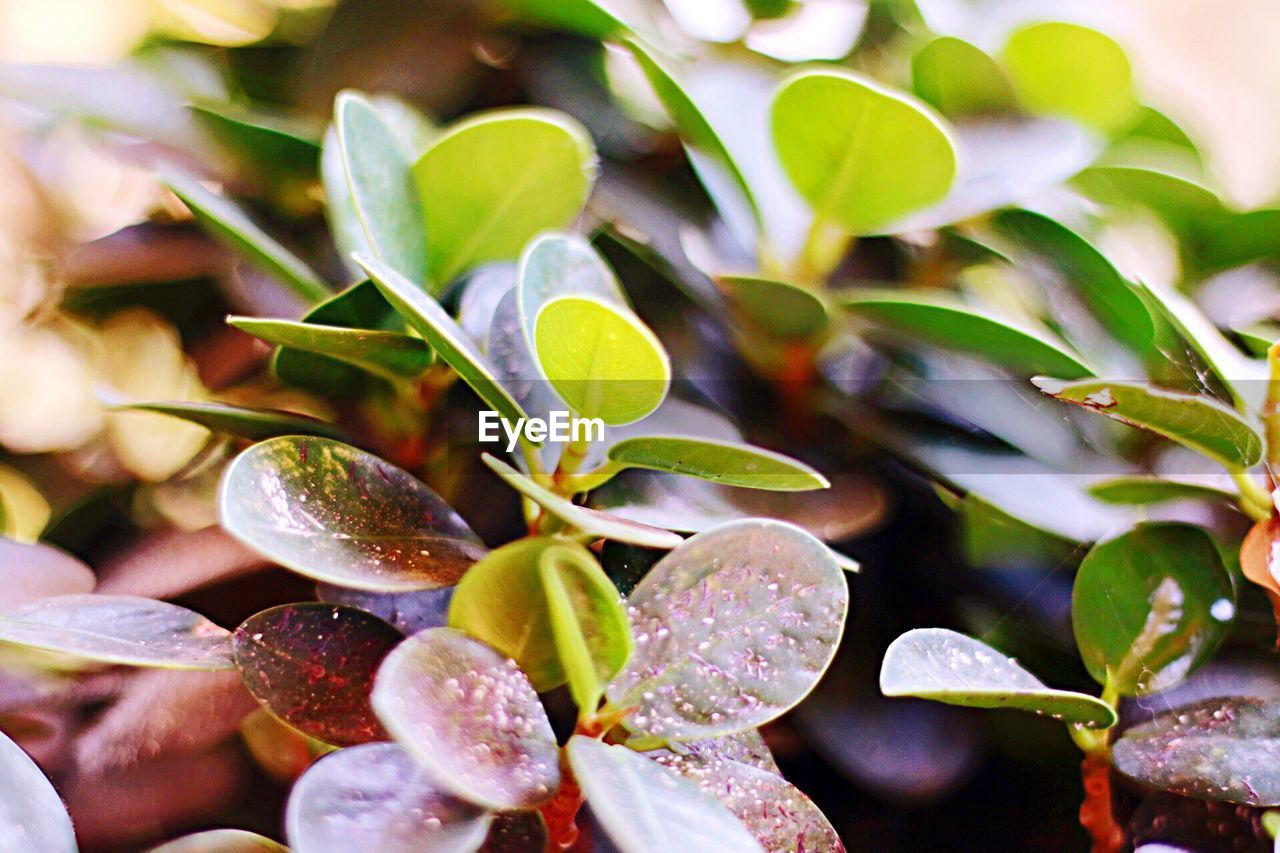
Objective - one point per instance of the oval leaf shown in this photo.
(242, 421)
(337, 514)
(222, 841)
(603, 363)
(390, 355)
(1216, 749)
(409, 612)
(31, 811)
(645, 807)
(1150, 605)
(444, 336)
(732, 628)
(862, 155)
(1069, 70)
(382, 187)
(776, 812)
(492, 182)
(471, 718)
(231, 225)
(1141, 490)
(724, 462)
(942, 665)
(1204, 425)
(948, 323)
(120, 629)
(778, 307)
(373, 797)
(594, 523)
(958, 79)
(35, 571)
(588, 622)
(312, 665)
(561, 265)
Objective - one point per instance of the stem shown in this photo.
(575, 453)
(1096, 814)
(824, 247)
(1254, 500)
(1271, 407)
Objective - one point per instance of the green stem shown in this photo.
(824, 247)
(1254, 500)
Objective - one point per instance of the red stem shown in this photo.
(1095, 812)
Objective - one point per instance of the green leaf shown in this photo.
(862, 155)
(724, 462)
(501, 601)
(343, 516)
(121, 629)
(470, 718)
(339, 208)
(375, 797)
(444, 336)
(948, 323)
(1222, 749)
(382, 187)
(603, 363)
(643, 807)
(1150, 605)
(1258, 337)
(271, 147)
(1199, 423)
(937, 664)
(707, 153)
(1109, 295)
(596, 524)
(491, 182)
(1073, 71)
(253, 424)
(390, 355)
(221, 841)
(555, 265)
(229, 224)
(31, 811)
(360, 306)
(588, 621)
(958, 79)
(595, 19)
(778, 307)
(732, 628)
(312, 665)
(776, 812)
(1142, 490)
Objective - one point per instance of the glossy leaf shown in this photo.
(312, 665)
(490, 183)
(374, 797)
(643, 807)
(1150, 605)
(861, 154)
(1113, 300)
(242, 421)
(31, 811)
(732, 628)
(382, 186)
(269, 146)
(778, 307)
(554, 265)
(501, 602)
(221, 841)
(1068, 70)
(603, 363)
(470, 718)
(409, 612)
(953, 325)
(942, 665)
(1225, 749)
(1141, 490)
(343, 516)
(724, 462)
(391, 355)
(958, 79)
(588, 621)
(360, 306)
(776, 812)
(707, 153)
(231, 225)
(443, 335)
(1200, 423)
(600, 525)
(595, 19)
(119, 629)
